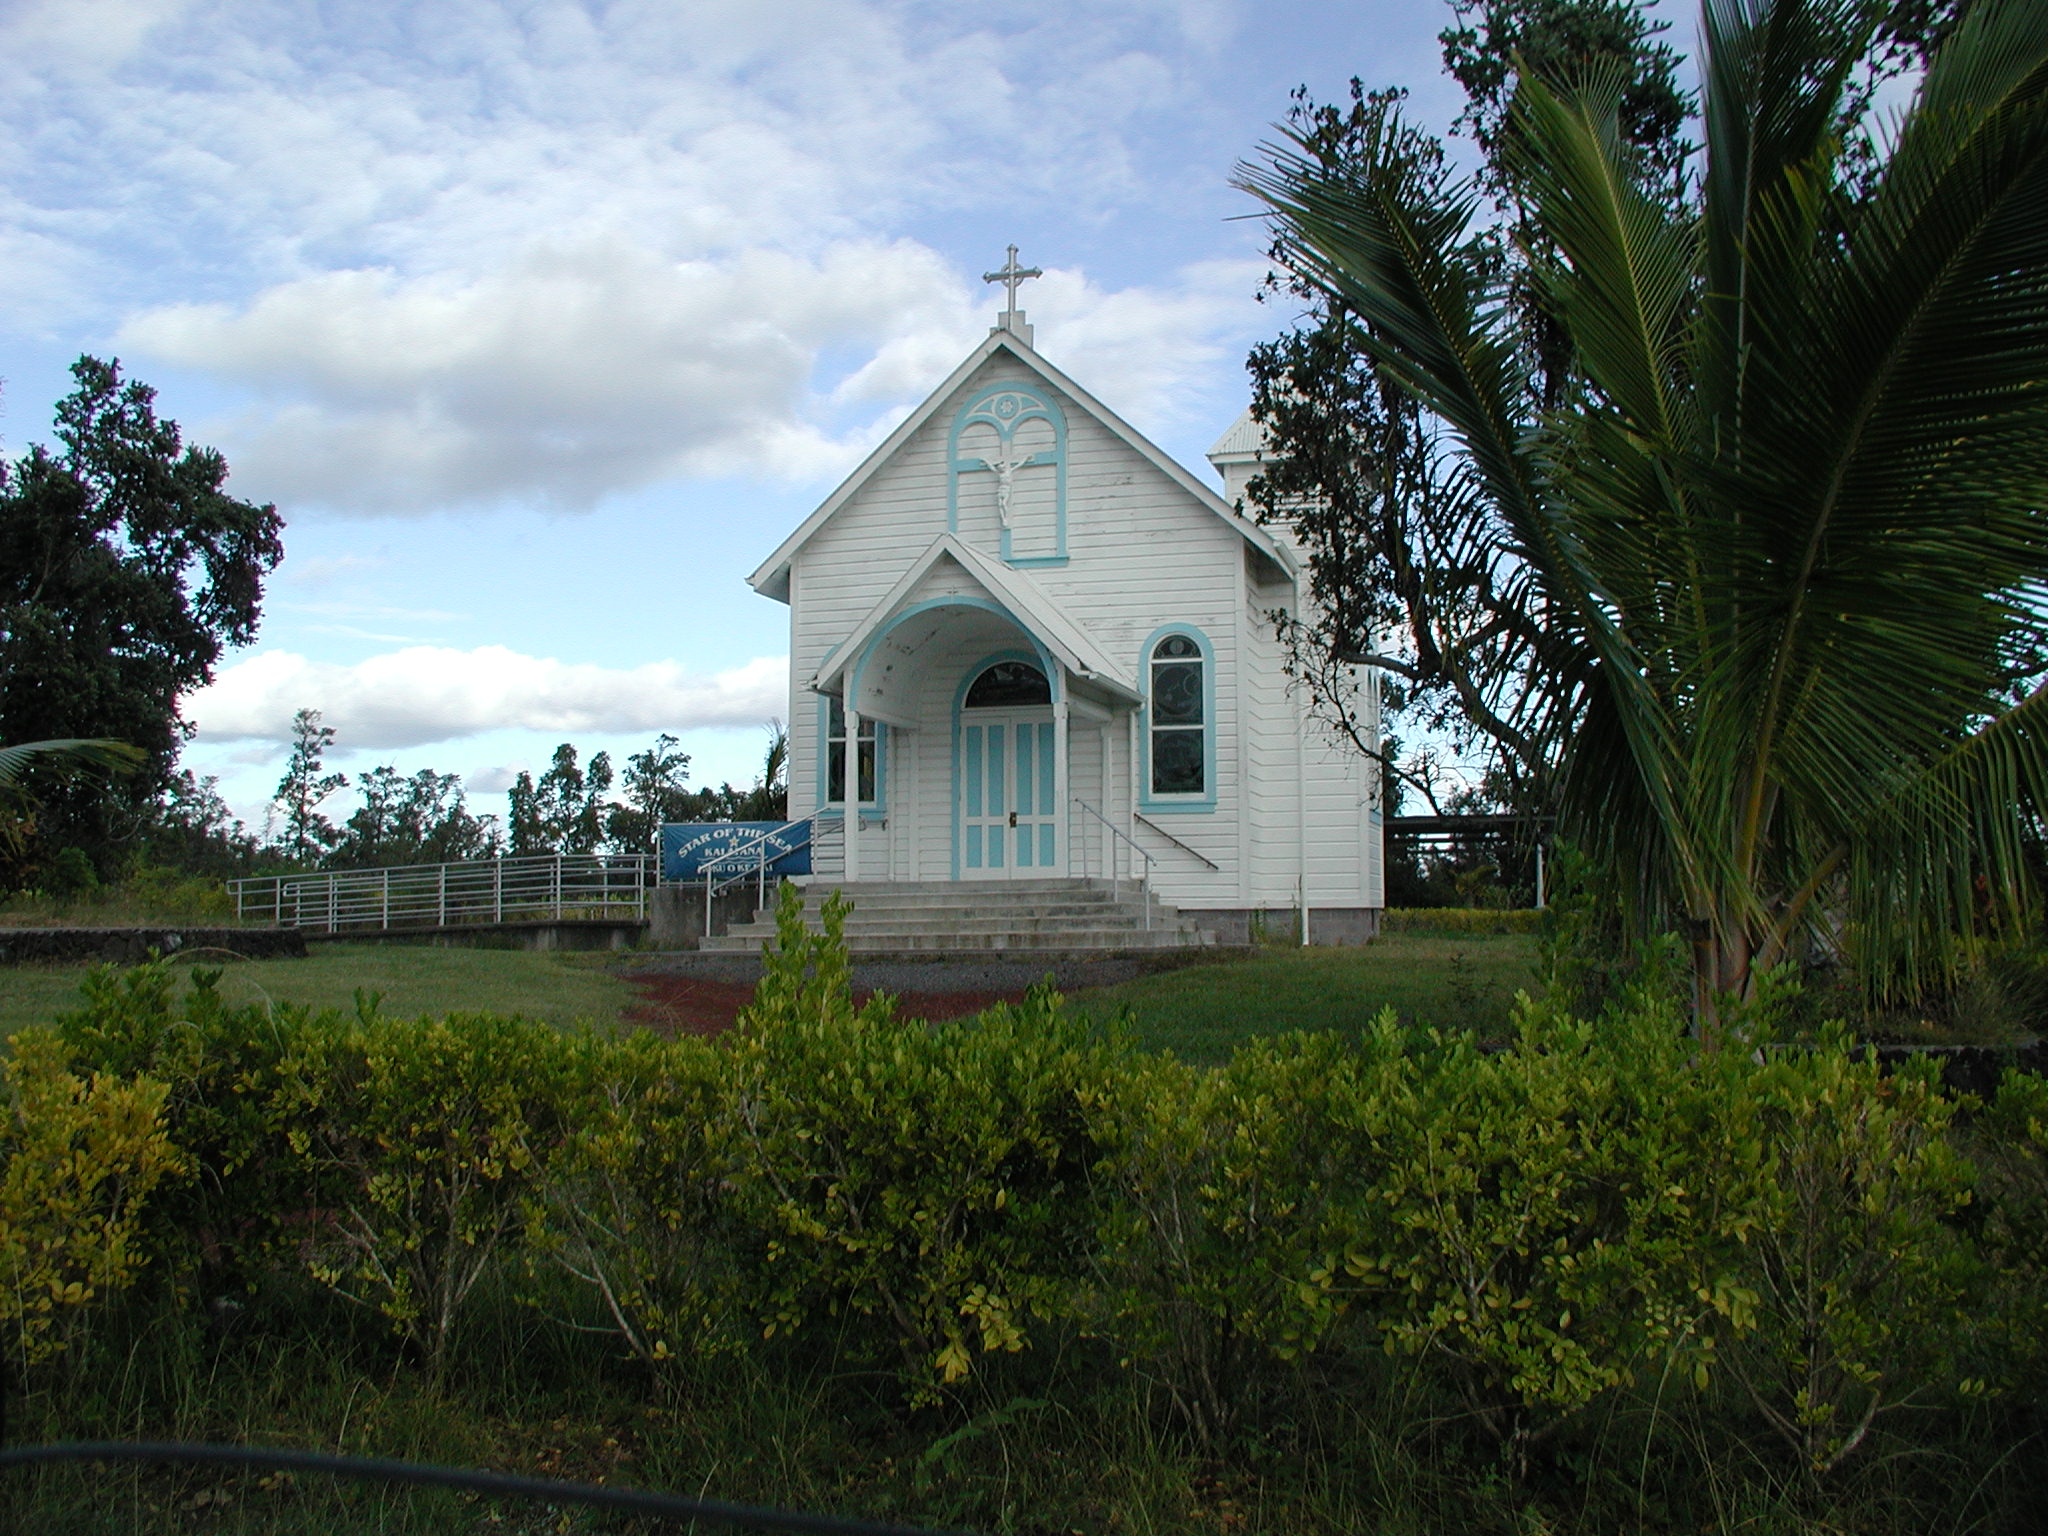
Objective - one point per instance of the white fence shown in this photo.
(567, 887)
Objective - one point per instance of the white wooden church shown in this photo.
(1024, 643)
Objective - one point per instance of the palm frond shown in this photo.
(69, 752)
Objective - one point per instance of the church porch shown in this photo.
(983, 756)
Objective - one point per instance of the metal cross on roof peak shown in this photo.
(1010, 275)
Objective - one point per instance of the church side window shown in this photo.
(835, 756)
(1178, 724)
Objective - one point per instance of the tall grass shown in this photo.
(1077, 1444)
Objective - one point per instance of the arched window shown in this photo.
(1178, 695)
(1008, 480)
(1008, 685)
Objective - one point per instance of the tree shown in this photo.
(564, 811)
(303, 834)
(1396, 577)
(1356, 464)
(418, 820)
(767, 799)
(1784, 529)
(195, 832)
(125, 571)
(655, 786)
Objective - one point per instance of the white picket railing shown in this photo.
(564, 887)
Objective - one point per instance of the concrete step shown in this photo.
(866, 890)
(918, 907)
(1020, 932)
(1033, 916)
(908, 942)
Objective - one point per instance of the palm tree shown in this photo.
(68, 753)
(1790, 532)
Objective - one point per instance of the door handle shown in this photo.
(1013, 818)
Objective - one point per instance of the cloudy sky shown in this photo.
(542, 323)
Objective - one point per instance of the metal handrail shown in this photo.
(1197, 853)
(1116, 885)
(529, 888)
(758, 845)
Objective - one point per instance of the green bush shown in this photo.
(1330, 1250)
(1557, 1216)
(241, 1191)
(1232, 1193)
(79, 1159)
(434, 1133)
(934, 1178)
(2009, 1144)
(1862, 1278)
(635, 1197)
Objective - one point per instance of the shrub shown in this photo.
(634, 1205)
(220, 1065)
(2010, 1144)
(1233, 1190)
(937, 1178)
(1455, 920)
(1557, 1214)
(1861, 1278)
(82, 1156)
(434, 1131)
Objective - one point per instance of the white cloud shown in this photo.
(1137, 349)
(547, 253)
(424, 694)
(493, 779)
(578, 370)
(90, 32)
(589, 368)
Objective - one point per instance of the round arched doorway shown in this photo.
(1008, 781)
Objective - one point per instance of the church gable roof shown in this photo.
(772, 578)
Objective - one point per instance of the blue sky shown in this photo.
(543, 323)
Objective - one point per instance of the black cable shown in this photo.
(499, 1485)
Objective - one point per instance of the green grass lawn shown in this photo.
(413, 979)
(1202, 1011)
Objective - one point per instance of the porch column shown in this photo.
(852, 818)
(1062, 797)
(1131, 804)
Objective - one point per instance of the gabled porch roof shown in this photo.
(1016, 593)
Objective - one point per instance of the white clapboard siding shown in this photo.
(1144, 554)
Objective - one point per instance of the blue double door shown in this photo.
(1009, 795)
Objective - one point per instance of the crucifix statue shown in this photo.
(1010, 275)
(1006, 476)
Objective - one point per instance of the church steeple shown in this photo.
(1012, 318)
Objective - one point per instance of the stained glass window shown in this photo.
(1008, 685)
(1178, 702)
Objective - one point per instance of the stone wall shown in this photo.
(131, 946)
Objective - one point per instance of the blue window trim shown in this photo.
(835, 810)
(1040, 409)
(1177, 805)
(1039, 658)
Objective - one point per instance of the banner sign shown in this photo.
(692, 849)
